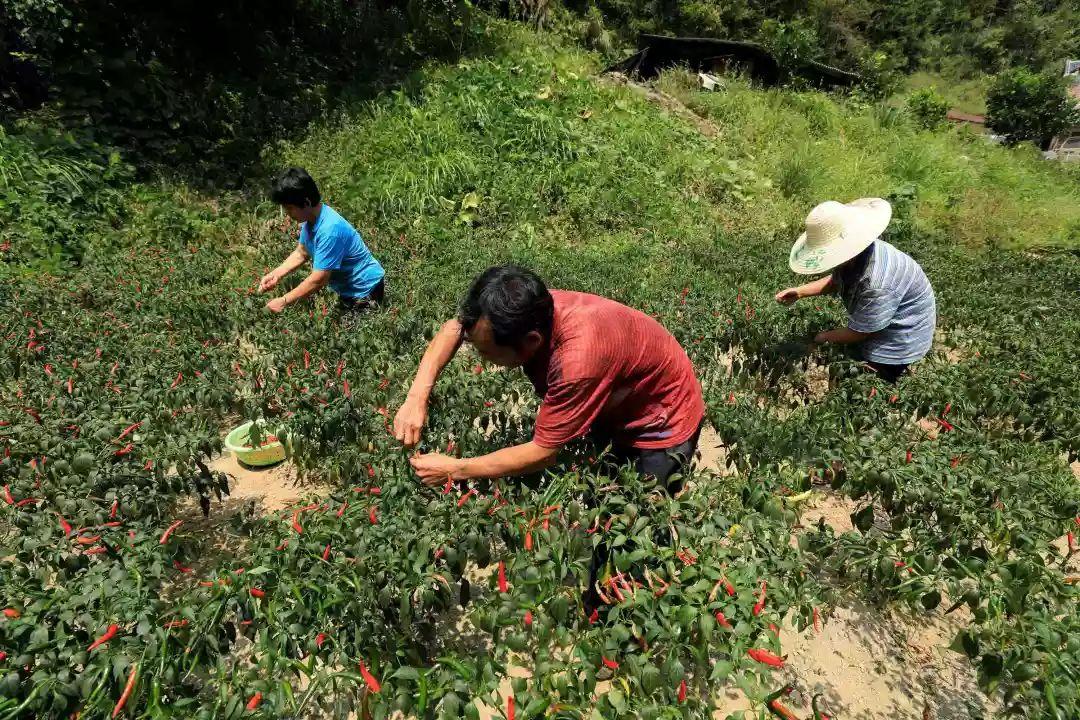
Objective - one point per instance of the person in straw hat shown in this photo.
(891, 307)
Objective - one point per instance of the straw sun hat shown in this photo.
(836, 232)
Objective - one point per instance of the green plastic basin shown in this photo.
(239, 442)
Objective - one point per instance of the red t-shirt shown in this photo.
(616, 370)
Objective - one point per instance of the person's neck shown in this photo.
(313, 214)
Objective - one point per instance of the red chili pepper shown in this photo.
(611, 664)
(528, 540)
(510, 708)
(528, 618)
(7, 496)
(369, 679)
(722, 621)
(119, 708)
(1072, 541)
(817, 620)
(206, 583)
(12, 614)
(179, 379)
(945, 424)
(607, 525)
(894, 398)
(88, 540)
(907, 459)
(873, 392)
(181, 568)
(109, 635)
(371, 516)
(176, 623)
(948, 407)
(320, 639)
(48, 369)
(94, 551)
(779, 709)
(26, 501)
(343, 508)
(296, 523)
(114, 508)
(760, 604)
(253, 703)
(774, 629)
(149, 465)
(765, 657)
(682, 691)
(169, 531)
(70, 386)
(465, 498)
(345, 389)
(282, 546)
(326, 553)
(256, 592)
(64, 525)
(594, 616)
(728, 587)
(503, 586)
(124, 450)
(129, 429)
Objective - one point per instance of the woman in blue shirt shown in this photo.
(339, 257)
(891, 307)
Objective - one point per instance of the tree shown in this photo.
(1025, 105)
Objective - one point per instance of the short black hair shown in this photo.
(295, 187)
(513, 299)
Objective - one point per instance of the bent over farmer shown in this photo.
(891, 308)
(600, 367)
(339, 258)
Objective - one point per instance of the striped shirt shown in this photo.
(886, 293)
(615, 371)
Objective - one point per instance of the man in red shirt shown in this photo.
(601, 367)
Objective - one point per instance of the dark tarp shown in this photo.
(657, 52)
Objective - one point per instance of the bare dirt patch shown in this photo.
(713, 452)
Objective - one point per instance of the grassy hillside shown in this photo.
(524, 154)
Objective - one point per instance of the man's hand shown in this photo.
(277, 304)
(788, 296)
(269, 281)
(409, 422)
(435, 469)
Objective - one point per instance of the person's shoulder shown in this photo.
(334, 225)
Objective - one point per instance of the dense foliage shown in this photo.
(928, 108)
(961, 36)
(1023, 105)
(119, 376)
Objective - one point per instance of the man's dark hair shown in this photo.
(513, 299)
(295, 187)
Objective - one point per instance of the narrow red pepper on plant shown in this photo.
(369, 679)
(296, 523)
(465, 498)
(258, 593)
(503, 586)
(528, 540)
(70, 384)
(760, 604)
(722, 621)
(109, 635)
(320, 639)
(12, 614)
(608, 663)
(594, 616)
(64, 525)
(765, 657)
(528, 619)
(682, 691)
(907, 459)
(326, 553)
(169, 531)
(343, 508)
(781, 711)
(181, 568)
(119, 708)
(510, 708)
(253, 703)
(179, 379)
(371, 516)
(7, 496)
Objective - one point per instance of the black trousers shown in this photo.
(888, 373)
(376, 297)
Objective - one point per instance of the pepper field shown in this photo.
(375, 596)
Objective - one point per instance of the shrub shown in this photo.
(1025, 105)
(927, 108)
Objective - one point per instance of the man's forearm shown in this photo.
(841, 336)
(296, 259)
(439, 353)
(821, 286)
(516, 460)
(309, 286)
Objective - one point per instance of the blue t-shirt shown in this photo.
(886, 293)
(335, 245)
